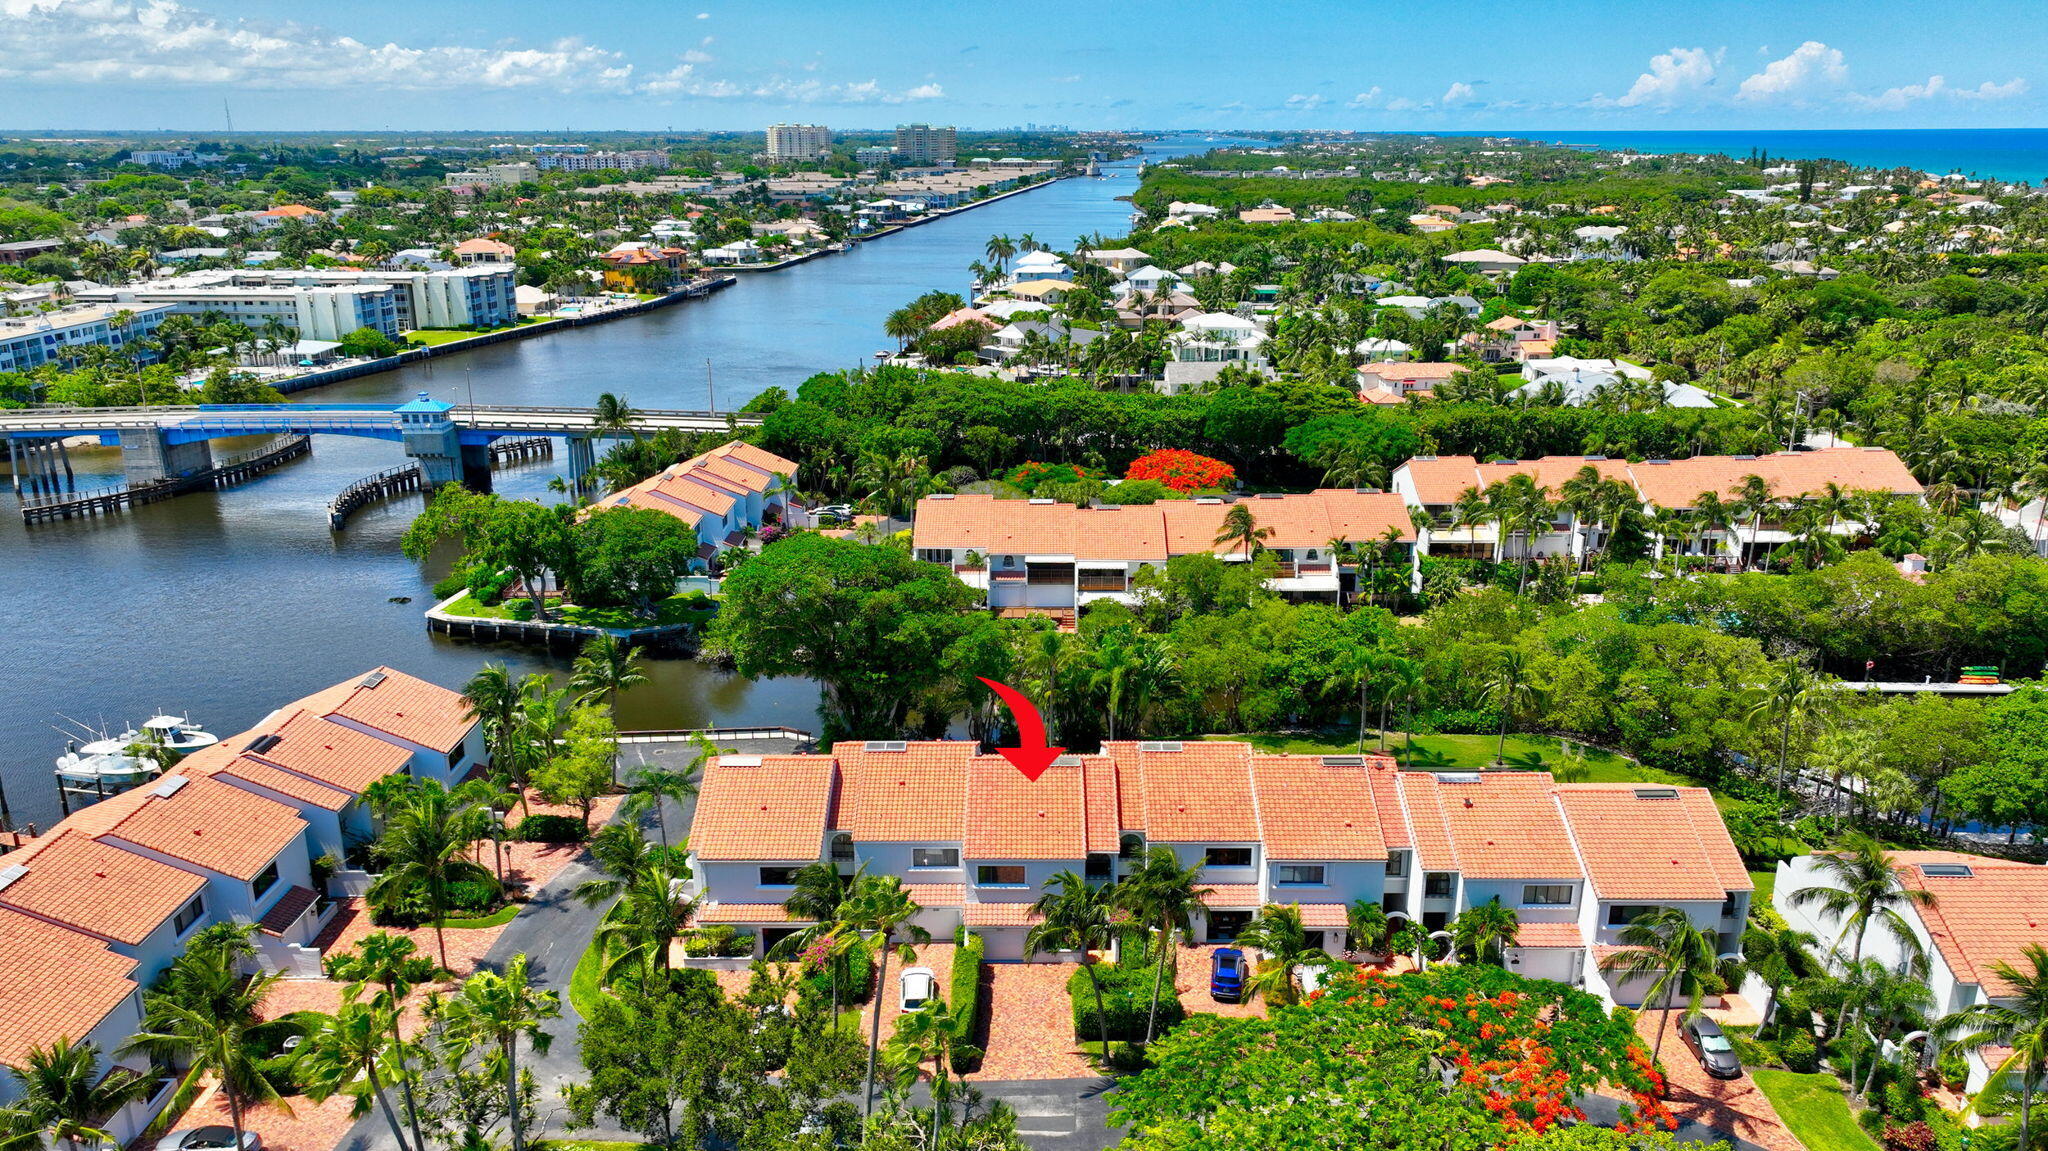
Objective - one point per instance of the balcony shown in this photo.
(1104, 583)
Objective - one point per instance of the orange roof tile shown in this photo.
(1980, 920)
(757, 457)
(913, 795)
(744, 913)
(96, 887)
(999, 915)
(936, 894)
(1312, 811)
(338, 756)
(1441, 479)
(1198, 794)
(1549, 935)
(1677, 483)
(1645, 842)
(1324, 916)
(1506, 827)
(768, 808)
(1232, 896)
(1149, 533)
(203, 822)
(251, 770)
(1017, 818)
(408, 707)
(54, 984)
(1386, 798)
(1432, 840)
(1098, 788)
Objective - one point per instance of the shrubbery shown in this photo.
(550, 829)
(965, 996)
(1799, 1053)
(722, 940)
(860, 978)
(1126, 999)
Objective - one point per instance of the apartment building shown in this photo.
(326, 304)
(628, 161)
(1436, 484)
(1045, 557)
(173, 158)
(723, 494)
(1984, 912)
(799, 141)
(97, 907)
(975, 842)
(926, 144)
(40, 338)
(492, 176)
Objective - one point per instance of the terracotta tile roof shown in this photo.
(1099, 792)
(1324, 916)
(54, 984)
(204, 822)
(1386, 798)
(999, 915)
(408, 707)
(97, 887)
(1151, 533)
(1363, 517)
(339, 756)
(1551, 472)
(1398, 370)
(744, 913)
(1125, 533)
(1232, 896)
(1310, 811)
(1549, 935)
(1440, 479)
(1506, 827)
(1980, 920)
(1130, 785)
(1198, 794)
(1644, 842)
(937, 894)
(1017, 818)
(767, 808)
(755, 457)
(1791, 474)
(914, 795)
(1433, 850)
(286, 911)
(249, 770)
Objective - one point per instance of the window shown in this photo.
(1397, 863)
(1099, 865)
(1437, 885)
(455, 757)
(1224, 925)
(265, 880)
(779, 876)
(1298, 873)
(1131, 847)
(1623, 914)
(1728, 906)
(189, 915)
(1228, 857)
(842, 848)
(935, 857)
(989, 875)
(1551, 894)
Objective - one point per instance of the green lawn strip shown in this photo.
(586, 983)
(588, 1145)
(496, 918)
(1766, 882)
(1815, 1109)
(674, 610)
(1466, 752)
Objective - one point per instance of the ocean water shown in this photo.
(2012, 154)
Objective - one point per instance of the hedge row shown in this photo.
(966, 991)
(1126, 999)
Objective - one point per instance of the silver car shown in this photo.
(214, 1138)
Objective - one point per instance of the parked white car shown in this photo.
(917, 986)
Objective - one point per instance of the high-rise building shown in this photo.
(926, 144)
(799, 141)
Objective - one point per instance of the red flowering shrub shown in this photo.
(1914, 1136)
(1181, 470)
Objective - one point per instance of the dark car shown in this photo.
(1715, 1053)
(215, 1138)
(1226, 975)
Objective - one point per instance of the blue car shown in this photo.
(1226, 975)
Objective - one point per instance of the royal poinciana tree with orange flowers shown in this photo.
(1182, 470)
(1465, 1058)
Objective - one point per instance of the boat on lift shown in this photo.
(107, 765)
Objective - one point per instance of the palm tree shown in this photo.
(492, 698)
(819, 897)
(879, 907)
(1278, 931)
(1165, 895)
(355, 1043)
(1792, 696)
(1509, 689)
(1074, 916)
(653, 789)
(647, 889)
(1114, 662)
(1677, 957)
(1487, 929)
(1581, 497)
(1754, 499)
(496, 1011)
(427, 834)
(1410, 684)
(1366, 925)
(61, 1096)
(1779, 956)
(605, 668)
(1241, 529)
(1712, 514)
(202, 1016)
(394, 965)
(1890, 1000)
(999, 250)
(2016, 1020)
(613, 416)
(934, 1032)
(1863, 888)
(1355, 669)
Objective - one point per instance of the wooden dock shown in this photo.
(519, 451)
(48, 506)
(371, 489)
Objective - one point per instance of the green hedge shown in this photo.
(860, 974)
(966, 991)
(550, 829)
(1126, 999)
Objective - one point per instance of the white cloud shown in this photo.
(1672, 76)
(703, 15)
(1301, 103)
(163, 42)
(1894, 99)
(1404, 104)
(1365, 99)
(683, 80)
(1458, 93)
(1810, 66)
(697, 56)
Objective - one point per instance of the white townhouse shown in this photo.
(722, 494)
(1984, 912)
(1217, 337)
(975, 843)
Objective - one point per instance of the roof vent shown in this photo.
(10, 874)
(169, 787)
(889, 744)
(1165, 745)
(262, 743)
(1208, 500)
(1741, 457)
(1457, 777)
(1595, 459)
(371, 680)
(1039, 501)
(739, 761)
(1656, 793)
(1656, 461)
(1271, 496)
(1946, 870)
(1425, 457)
(1368, 491)
(1343, 761)
(940, 496)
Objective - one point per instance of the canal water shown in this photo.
(219, 606)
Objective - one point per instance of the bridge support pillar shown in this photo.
(147, 457)
(476, 467)
(582, 458)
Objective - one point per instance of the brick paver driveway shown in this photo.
(1733, 1106)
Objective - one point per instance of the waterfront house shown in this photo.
(974, 842)
(1217, 337)
(1515, 338)
(1039, 265)
(722, 494)
(1041, 291)
(484, 250)
(1119, 260)
(1984, 912)
(56, 983)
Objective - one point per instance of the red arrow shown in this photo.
(1034, 756)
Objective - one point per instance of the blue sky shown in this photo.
(650, 64)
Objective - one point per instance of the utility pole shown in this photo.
(708, 389)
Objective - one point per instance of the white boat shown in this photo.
(111, 764)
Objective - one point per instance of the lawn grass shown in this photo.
(676, 609)
(586, 983)
(1815, 1109)
(433, 337)
(588, 1145)
(1469, 752)
(1766, 882)
(496, 918)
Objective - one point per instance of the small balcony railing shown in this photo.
(1115, 583)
